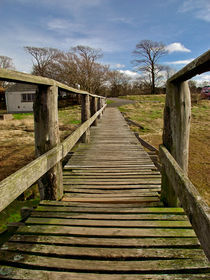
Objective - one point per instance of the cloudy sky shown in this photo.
(115, 26)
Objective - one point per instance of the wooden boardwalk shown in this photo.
(110, 224)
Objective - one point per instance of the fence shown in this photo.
(47, 168)
(174, 151)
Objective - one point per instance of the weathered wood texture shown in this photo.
(109, 228)
(177, 116)
(47, 137)
(176, 132)
(85, 115)
(93, 109)
(194, 206)
(197, 66)
(15, 76)
(18, 182)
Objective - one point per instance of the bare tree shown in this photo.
(78, 66)
(91, 75)
(43, 58)
(6, 63)
(147, 54)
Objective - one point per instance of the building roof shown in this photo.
(21, 87)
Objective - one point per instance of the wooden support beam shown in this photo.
(176, 132)
(93, 109)
(85, 115)
(46, 138)
(99, 106)
(196, 209)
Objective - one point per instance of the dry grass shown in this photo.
(17, 138)
(148, 112)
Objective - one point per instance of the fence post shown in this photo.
(176, 132)
(47, 137)
(99, 106)
(93, 109)
(85, 115)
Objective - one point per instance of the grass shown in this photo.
(148, 112)
(108, 101)
(11, 214)
(21, 116)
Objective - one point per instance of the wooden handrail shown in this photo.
(196, 209)
(198, 66)
(21, 180)
(15, 76)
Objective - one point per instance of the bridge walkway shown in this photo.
(110, 224)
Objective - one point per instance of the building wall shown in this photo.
(15, 104)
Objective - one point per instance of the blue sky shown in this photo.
(115, 26)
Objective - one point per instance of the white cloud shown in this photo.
(118, 65)
(130, 73)
(180, 62)
(59, 24)
(202, 78)
(176, 47)
(199, 8)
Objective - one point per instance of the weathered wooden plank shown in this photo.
(146, 242)
(112, 231)
(193, 204)
(105, 266)
(103, 253)
(122, 216)
(69, 187)
(109, 223)
(152, 181)
(21, 273)
(145, 200)
(128, 189)
(104, 194)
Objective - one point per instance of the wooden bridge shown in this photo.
(110, 214)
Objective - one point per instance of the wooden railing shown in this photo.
(176, 187)
(47, 167)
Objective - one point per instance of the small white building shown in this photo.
(20, 98)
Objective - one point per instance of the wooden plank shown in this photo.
(124, 191)
(177, 265)
(69, 187)
(122, 216)
(145, 200)
(111, 232)
(24, 273)
(151, 242)
(193, 204)
(104, 194)
(108, 223)
(103, 253)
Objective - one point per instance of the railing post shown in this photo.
(85, 115)
(176, 132)
(47, 137)
(99, 105)
(93, 109)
